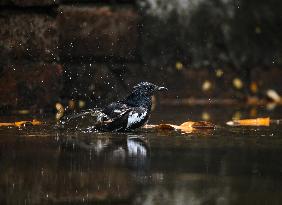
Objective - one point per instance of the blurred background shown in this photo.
(83, 53)
(220, 60)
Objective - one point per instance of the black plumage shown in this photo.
(127, 114)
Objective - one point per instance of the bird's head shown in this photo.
(142, 93)
(147, 89)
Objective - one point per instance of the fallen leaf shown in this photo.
(20, 123)
(165, 127)
(6, 124)
(250, 122)
(203, 125)
(187, 127)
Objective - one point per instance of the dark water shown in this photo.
(42, 165)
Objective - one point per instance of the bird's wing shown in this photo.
(129, 117)
(115, 110)
(117, 117)
(137, 116)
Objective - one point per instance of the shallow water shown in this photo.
(42, 165)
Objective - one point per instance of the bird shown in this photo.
(127, 114)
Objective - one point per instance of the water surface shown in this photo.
(43, 165)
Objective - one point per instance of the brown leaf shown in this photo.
(165, 127)
(20, 123)
(187, 127)
(203, 125)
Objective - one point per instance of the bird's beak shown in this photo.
(162, 89)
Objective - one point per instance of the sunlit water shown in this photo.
(43, 165)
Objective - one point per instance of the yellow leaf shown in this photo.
(250, 122)
(20, 123)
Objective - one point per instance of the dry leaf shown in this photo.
(165, 127)
(20, 123)
(203, 125)
(187, 127)
(250, 122)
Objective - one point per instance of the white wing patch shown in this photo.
(134, 118)
(117, 111)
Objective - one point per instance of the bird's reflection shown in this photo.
(132, 151)
(101, 167)
(138, 152)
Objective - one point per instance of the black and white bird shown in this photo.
(127, 114)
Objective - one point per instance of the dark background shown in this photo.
(94, 51)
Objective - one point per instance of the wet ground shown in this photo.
(228, 165)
